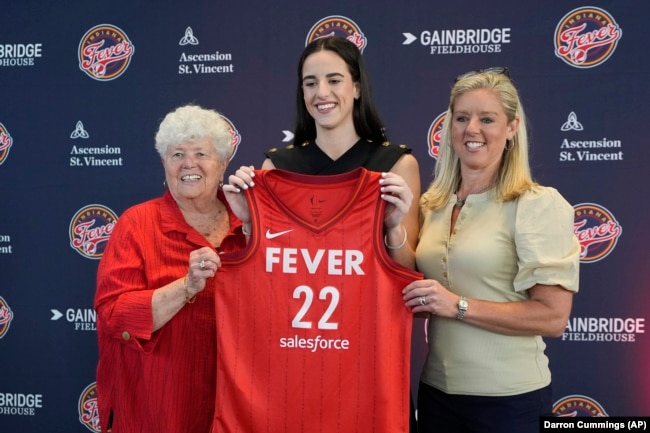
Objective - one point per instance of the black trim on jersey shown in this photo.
(308, 158)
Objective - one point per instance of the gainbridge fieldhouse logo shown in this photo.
(597, 231)
(336, 25)
(586, 37)
(236, 137)
(5, 143)
(6, 316)
(90, 229)
(578, 405)
(435, 135)
(105, 52)
(88, 411)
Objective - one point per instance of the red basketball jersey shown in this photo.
(312, 331)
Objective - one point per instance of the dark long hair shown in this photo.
(367, 121)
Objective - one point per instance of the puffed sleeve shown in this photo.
(547, 248)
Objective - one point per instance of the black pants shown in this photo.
(449, 413)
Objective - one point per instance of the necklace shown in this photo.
(460, 202)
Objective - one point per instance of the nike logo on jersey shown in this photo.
(270, 235)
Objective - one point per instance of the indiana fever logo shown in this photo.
(586, 37)
(90, 229)
(435, 135)
(597, 231)
(5, 143)
(236, 137)
(578, 405)
(6, 316)
(88, 412)
(105, 52)
(335, 25)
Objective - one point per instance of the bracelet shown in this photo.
(396, 247)
(188, 299)
(243, 230)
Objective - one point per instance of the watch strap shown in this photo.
(462, 308)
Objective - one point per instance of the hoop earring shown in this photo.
(165, 183)
(509, 145)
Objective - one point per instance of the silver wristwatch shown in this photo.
(463, 305)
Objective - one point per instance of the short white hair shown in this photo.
(191, 123)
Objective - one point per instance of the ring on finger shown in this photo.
(202, 264)
(423, 300)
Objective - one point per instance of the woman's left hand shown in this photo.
(202, 264)
(429, 296)
(237, 183)
(398, 196)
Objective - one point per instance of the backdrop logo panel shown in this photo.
(105, 52)
(20, 54)
(586, 37)
(21, 404)
(461, 41)
(84, 319)
(597, 231)
(93, 156)
(336, 25)
(212, 62)
(601, 149)
(5, 143)
(604, 329)
(434, 135)
(90, 229)
(88, 411)
(578, 405)
(6, 316)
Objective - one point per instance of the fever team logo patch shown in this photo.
(90, 229)
(586, 37)
(105, 52)
(578, 405)
(435, 135)
(336, 25)
(6, 316)
(597, 231)
(88, 411)
(5, 143)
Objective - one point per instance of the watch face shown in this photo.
(462, 304)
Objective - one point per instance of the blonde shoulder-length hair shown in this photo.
(514, 176)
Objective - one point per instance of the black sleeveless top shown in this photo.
(308, 158)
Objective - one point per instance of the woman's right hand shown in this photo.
(238, 182)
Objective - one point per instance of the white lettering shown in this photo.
(314, 344)
(336, 262)
(21, 400)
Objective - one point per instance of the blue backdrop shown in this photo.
(84, 85)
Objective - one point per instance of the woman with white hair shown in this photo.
(155, 291)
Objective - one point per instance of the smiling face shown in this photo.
(479, 130)
(329, 90)
(193, 171)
